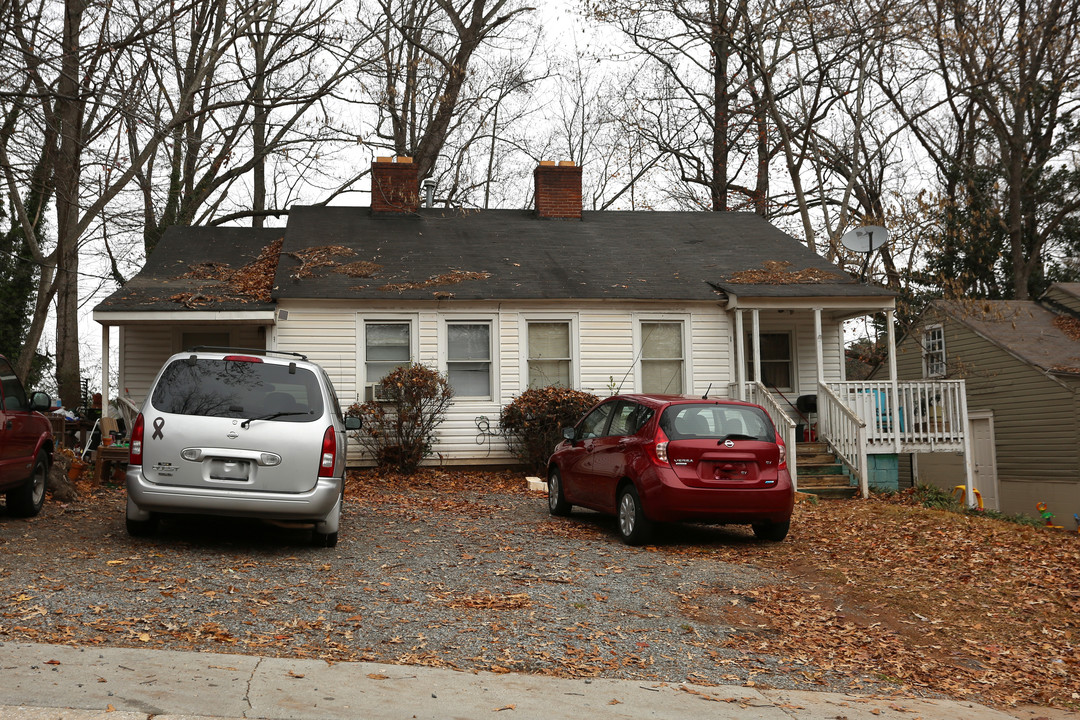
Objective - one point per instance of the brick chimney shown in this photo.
(558, 190)
(395, 187)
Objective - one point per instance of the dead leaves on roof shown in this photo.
(314, 258)
(359, 269)
(451, 278)
(1068, 325)
(251, 283)
(776, 272)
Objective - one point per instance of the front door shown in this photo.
(981, 427)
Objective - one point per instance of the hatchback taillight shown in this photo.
(659, 448)
(135, 453)
(329, 453)
(783, 452)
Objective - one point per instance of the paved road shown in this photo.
(53, 682)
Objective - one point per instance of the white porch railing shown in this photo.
(931, 415)
(845, 432)
(756, 393)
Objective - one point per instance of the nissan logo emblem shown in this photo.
(232, 435)
(729, 443)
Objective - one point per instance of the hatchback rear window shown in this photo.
(232, 389)
(688, 422)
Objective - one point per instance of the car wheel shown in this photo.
(557, 504)
(26, 500)
(141, 528)
(771, 531)
(634, 527)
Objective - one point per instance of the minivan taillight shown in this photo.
(135, 454)
(329, 453)
(659, 448)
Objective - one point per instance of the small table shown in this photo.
(108, 455)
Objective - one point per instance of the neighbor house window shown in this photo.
(549, 354)
(468, 359)
(387, 346)
(777, 360)
(662, 359)
(933, 343)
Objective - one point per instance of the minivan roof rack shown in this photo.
(255, 351)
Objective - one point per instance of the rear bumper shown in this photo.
(668, 499)
(314, 505)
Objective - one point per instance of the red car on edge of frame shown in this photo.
(665, 458)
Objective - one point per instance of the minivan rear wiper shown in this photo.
(271, 416)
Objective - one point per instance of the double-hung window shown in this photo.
(387, 346)
(468, 359)
(662, 357)
(549, 353)
(777, 360)
(933, 346)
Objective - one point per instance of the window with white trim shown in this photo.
(933, 347)
(777, 360)
(387, 346)
(468, 359)
(549, 359)
(662, 357)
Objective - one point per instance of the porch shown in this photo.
(860, 422)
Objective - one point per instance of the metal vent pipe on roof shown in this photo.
(429, 192)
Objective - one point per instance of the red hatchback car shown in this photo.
(664, 458)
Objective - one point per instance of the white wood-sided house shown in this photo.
(498, 300)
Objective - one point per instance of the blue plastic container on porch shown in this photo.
(881, 410)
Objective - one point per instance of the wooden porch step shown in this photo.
(830, 493)
(838, 480)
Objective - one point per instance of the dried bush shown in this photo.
(533, 422)
(399, 431)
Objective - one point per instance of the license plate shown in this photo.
(732, 471)
(237, 470)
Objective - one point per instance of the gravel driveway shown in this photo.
(429, 571)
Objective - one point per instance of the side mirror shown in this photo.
(352, 422)
(569, 433)
(40, 401)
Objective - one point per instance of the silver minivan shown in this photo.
(241, 433)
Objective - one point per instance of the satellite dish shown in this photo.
(865, 239)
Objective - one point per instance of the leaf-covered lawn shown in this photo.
(465, 569)
(967, 606)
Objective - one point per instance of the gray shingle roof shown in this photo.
(503, 254)
(490, 255)
(1024, 328)
(181, 249)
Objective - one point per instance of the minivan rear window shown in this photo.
(688, 422)
(228, 389)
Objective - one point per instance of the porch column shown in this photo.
(105, 371)
(818, 341)
(894, 384)
(740, 357)
(755, 319)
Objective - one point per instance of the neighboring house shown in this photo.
(1020, 361)
(501, 300)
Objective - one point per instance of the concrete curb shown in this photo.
(40, 681)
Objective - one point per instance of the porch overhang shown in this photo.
(185, 317)
(835, 307)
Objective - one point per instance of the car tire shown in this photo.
(557, 504)
(324, 540)
(771, 531)
(27, 499)
(141, 528)
(634, 527)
